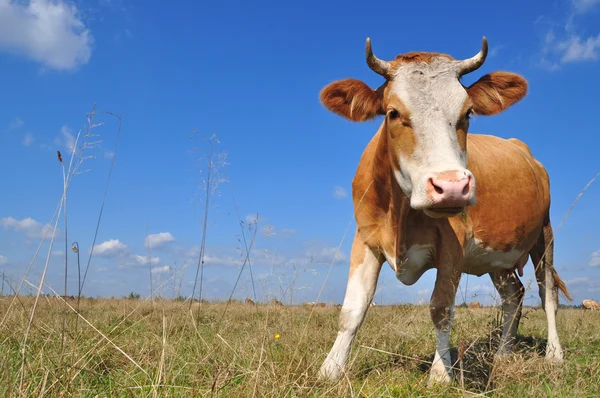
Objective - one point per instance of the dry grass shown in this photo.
(131, 348)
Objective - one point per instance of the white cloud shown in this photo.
(563, 46)
(47, 31)
(17, 122)
(3, 260)
(158, 240)
(595, 259)
(28, 139)
(583, 6)
(65, 139)
(339, 192)
(29, 226)
(575, 49)
(495, 50)
(318, 253)
(160, 270)
(110, 248)
(144, 260)
(577, 281)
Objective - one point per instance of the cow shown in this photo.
(590, 305)
(475, 304)
(249, 301)
(429, 195)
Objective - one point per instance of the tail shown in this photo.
(542, 256)
(560, 285)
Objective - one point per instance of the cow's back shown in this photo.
(513, 192)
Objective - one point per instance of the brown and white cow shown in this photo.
(590, 305)
(428, 195)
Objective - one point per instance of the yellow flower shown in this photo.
(277, 335)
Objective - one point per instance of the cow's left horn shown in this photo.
(470, 64)
(377, 65)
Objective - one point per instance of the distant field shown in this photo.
(163, 349)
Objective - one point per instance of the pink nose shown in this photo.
(450, 189)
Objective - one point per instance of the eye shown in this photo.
(468, 114)
(393, 114)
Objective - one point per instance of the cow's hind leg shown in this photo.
(512, 292)
(542, 256)
(365, 266)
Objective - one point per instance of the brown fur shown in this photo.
(400, 129)
(590, 305)
(560, 285)
(419, 57)
(475, 304)
(496, 91)
(353, 100)
(512, 194)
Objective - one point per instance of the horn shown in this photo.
(470, 64)
(378, 66)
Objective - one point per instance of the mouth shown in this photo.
(441, 212)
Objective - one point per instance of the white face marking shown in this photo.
(481, 260)
(435, 97)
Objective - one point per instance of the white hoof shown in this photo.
(439, 374)
(554, 353)
(330, 371)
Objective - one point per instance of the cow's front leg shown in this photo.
(442, 314)
(362, 281)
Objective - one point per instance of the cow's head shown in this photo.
(427, 113)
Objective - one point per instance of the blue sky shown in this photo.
(251, 73)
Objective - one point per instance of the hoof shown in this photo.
(330, 371)
(554, 354)
(439, 374)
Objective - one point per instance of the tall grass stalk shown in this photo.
(149, 261)
(77, 159)
(215, 160)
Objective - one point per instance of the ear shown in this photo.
(495, 92)
(353, 100)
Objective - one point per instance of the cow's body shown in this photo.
(399, 223)
(590, 305)
(513, 200)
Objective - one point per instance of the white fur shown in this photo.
(553, 347)
(441, 368)
(481, 259)
(434, 96)
(359, 293)
(418, 259)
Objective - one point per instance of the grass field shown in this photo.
(137, 348)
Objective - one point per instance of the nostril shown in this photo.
(467, 188)
(437, 188)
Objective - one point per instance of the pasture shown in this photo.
(139, 348)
